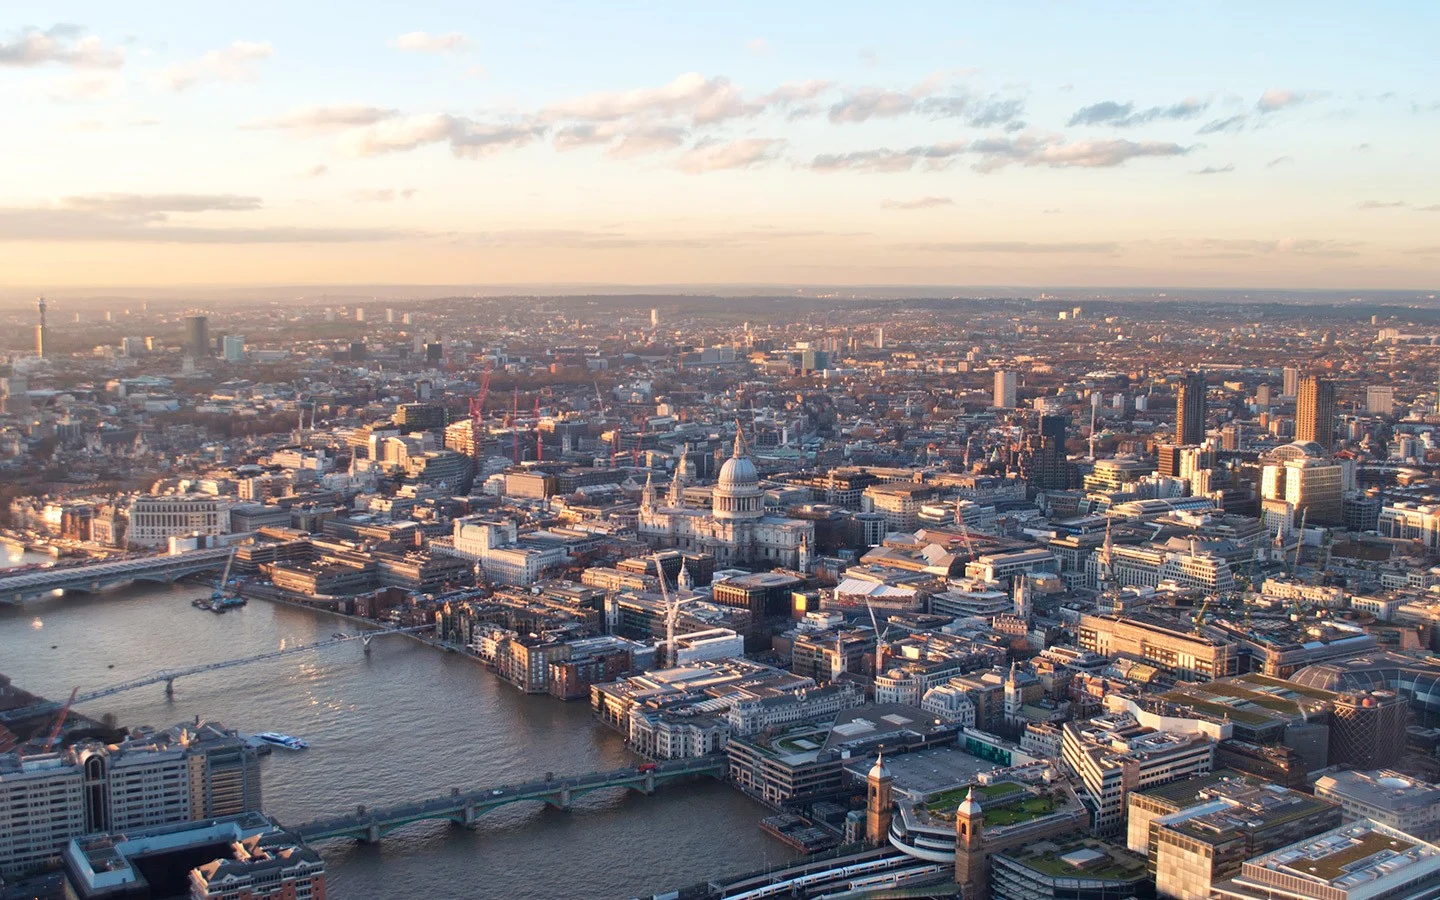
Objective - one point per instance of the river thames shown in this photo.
(404, 722)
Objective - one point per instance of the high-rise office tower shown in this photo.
(1005, 390)
(1315, 411)
(234, 345)
(42, 331)
(1190, 410)
(1045, 463)
(197, 336)
(880, 338)
(654, 317)
(1291, 384)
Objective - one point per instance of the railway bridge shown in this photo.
(92, 577)
(369, 825)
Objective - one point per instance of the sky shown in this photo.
(1195, 144)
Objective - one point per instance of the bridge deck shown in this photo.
(464, 806)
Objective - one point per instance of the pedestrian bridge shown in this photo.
(92, 577)
(465, 807)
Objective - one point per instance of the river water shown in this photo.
(404, 722)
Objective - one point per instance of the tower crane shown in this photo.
(60, 718)
(477, 403)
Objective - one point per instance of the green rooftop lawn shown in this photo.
(947, 801)
(1020, 811)
(1333, 866)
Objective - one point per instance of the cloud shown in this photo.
(423, 42)
(643, 141)
(1280, 161)
(315, 171)
(144, 218)
(147, 204)
(1381, 204)
(1125, 115)
(1433, 250)
(466, 137)
(758, 47)
(326, 119)
(863, 104)
(626, 141)
(1228, 125)
(1012, 247)
(63, 44)
(1432, 208)
(692, 95)
(233, 63)
(1244, 247)
(383, 195)
(997, 153)
(1215, 170)
(918, 203)
(1277, 99)
(741, 154)
(886, 160)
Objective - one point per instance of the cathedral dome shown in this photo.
(738, 472)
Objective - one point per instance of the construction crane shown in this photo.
(539, 444)
(219, 592)
(60, 720)
(477, 403)
(1200, 616)
(515, 424)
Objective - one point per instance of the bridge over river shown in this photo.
(464, 807)
(91, 577)
(168, 677)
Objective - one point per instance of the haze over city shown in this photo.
(1281, 145)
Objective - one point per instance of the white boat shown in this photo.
(282, 740)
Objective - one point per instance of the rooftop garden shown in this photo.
(1333, 866)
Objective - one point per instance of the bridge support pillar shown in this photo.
(650, 782)
(468, 815)
(565, 799)
(372, 833)
(169, 687)
(365, 640)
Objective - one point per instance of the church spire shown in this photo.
(739, 452)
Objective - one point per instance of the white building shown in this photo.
(1114, 755)
(496, 546)
(154, 519)
(1005, 383)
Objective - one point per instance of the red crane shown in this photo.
(477, 403)
(60, 721)
(515, 424)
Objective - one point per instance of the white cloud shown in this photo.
(424, 42)
(65, 45)
(466, 137)
(692, 95)
(383, 195)
(741, 154)
(917, 203)
(232, 63)
(1277, 99)
(327, 119)
(758, 47)
(316, 171)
